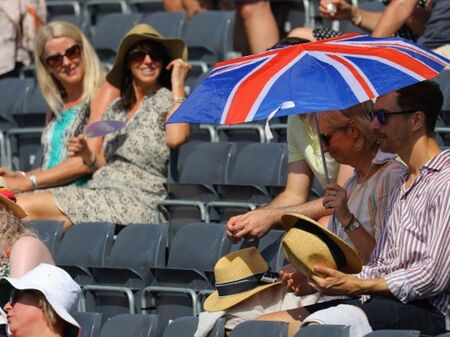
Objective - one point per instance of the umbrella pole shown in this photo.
(324, 163)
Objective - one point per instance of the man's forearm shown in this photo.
(377, 286)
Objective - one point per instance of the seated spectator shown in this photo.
(40, 303)
(364, 19)
(69, 75)
(130, 172)
(405, 283)
(305, 164)
(436, 35)
(358, 207)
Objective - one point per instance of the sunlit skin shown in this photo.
(146, 73)
(71, 72)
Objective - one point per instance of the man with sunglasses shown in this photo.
(405, 285)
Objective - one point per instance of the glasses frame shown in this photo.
(325, 138)
(72, 53)
(139, 55)
(382, 116)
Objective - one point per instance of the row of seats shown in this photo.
(144, 326)
(137, 272)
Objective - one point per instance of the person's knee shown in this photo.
(303, 33)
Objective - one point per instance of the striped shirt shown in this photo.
(413, 249)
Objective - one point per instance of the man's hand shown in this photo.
(333, 282)
(294, 281)
(251, 225)
(343, 10)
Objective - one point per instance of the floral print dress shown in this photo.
(126, 189)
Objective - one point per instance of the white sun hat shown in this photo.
(59, 289)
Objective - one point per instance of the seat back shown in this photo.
(135, 325)
(394, 333)
(90, 323)
(12, 95)
(324, 331)
(169, 24)
(49, 231)
(83, 245)
(260, 328)
(209, 36)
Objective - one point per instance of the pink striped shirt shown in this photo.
(413, 249)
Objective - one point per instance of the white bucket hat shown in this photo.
(59, 289)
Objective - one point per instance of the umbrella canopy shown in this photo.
(324, 75)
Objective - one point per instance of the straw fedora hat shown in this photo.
(58, 288)
(176, 48)
(239, 275)
(8, 198)
(307, 244)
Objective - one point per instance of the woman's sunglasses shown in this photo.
(325, 138)
(138, 56)
(71, 53)
(382, 115)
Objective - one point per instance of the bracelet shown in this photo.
(346, 227)
(178, 100)
(34, 183)
(93, 161)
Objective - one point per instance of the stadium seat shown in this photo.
(12, 95)
(251, 175)
(394, 333)
(85, 245)
(49, 231)
(90, 323)
(186, 327)
(443, 130)
(193, 171)
(135, 325)
(109, 31)
(137, 248)
(193, 253)
(169, 24)
(248, 132)
(77, 20)
(260, 328)
(146, 6)
(324, 331)
(62, 7)
(209, 36)
(94, 10)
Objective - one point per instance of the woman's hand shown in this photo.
(4, 172)
(295, 282)
(180, 71)
(78, 147)
(336, 199)
(343, 10)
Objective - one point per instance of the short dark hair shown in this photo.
(161, 54)
(424, 96)
(288, 41)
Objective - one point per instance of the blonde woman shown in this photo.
(71, 79)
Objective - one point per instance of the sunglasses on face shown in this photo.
(382, 115)
(71, 53)
(325, 138)
(138, 55)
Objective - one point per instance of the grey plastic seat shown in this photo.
(324, 331)
(394, 333)
(209, 36)
(252, 174)
(84, 245)
(193, 253)
(146, 6)
(169, 24)
(90, 323)
(109, 31)
(186, 327)
(193, 170)
(135, 325)
(137, 248)
(260, 328)
(49, 231)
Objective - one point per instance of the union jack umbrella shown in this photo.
(325, 75)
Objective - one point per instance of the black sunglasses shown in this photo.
(325, 138)
(382, 115)
(71, 53)
(138, 55)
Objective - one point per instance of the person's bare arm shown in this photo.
(394, 16)
(27, 253)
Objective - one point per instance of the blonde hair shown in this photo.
(358, 115)
(11, 230)
(51, 88)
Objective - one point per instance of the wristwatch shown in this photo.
(352, 225)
